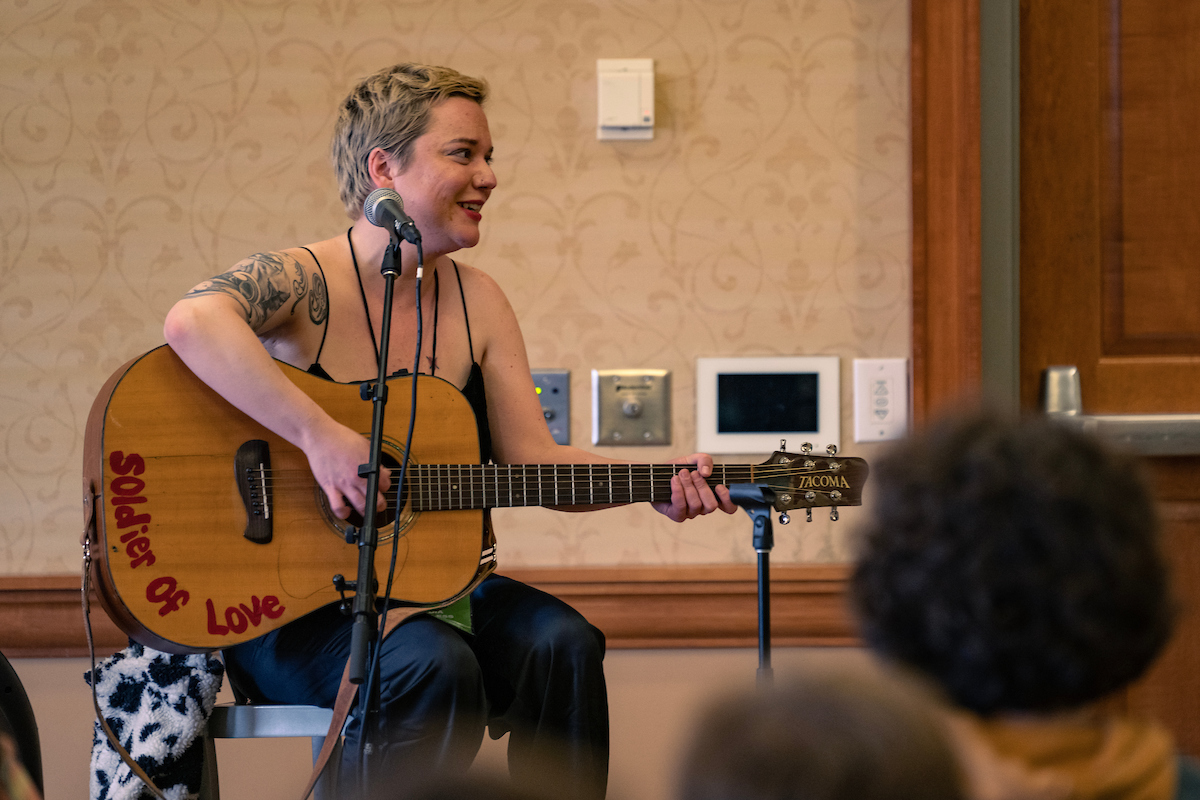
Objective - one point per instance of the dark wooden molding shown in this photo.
(947, 255)
(638, 607)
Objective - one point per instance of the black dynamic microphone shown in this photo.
(385, 209)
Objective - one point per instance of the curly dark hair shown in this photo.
(1016, 563)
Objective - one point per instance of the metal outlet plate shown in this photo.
(631, 406)
(554, 393)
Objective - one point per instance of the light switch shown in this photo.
(631, 406)
(880, 399)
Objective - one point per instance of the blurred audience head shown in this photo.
(1016, 563)
(853, 734)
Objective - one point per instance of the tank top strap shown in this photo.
(466, 318)
(317, 361)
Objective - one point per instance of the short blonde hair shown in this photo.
(390, 110)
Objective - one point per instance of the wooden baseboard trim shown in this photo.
(638, 607)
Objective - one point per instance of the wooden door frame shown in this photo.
(714, 606)
(947, 348)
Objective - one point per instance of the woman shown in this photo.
(421, 131)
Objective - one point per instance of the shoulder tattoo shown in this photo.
(318, 301)
(262, 284)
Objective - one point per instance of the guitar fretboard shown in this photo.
(448, 487)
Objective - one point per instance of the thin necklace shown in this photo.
(367, 309)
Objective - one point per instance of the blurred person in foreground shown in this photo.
(15, 782)
(853, 734)
(1017, 565)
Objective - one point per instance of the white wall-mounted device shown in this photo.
(625, 98)
(746, 405)
(880, 399)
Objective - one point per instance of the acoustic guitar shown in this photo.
(206, 530)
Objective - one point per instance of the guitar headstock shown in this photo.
(809, 480)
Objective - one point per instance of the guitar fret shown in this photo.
(414, 494)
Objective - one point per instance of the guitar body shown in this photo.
(171, 562)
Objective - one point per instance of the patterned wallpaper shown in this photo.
(146, 144)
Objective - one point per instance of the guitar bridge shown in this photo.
(252, 465)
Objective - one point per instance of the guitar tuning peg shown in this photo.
(806, 448)
(833, 514)
(831, 449)
(784, 518)
(783, 444)
(808, 514)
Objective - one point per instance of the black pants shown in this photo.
(531, 668)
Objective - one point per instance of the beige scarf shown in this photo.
(1081, 756)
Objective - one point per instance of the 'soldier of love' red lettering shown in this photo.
(240, 617)
(165, 590)
(127, 491)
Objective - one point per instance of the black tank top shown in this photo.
(473, 390)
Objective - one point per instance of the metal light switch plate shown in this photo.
(554, 393)
(631, 406)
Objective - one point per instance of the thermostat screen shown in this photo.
(783, 402)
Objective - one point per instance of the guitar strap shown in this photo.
(89, 534)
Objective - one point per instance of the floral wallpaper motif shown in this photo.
(146, 144)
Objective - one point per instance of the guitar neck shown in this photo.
(448, 487)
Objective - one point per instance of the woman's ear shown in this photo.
(382, 168)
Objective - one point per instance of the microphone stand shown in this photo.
(756, 500)
(362, 633)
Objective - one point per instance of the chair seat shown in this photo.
(265, 722)
(253, 721)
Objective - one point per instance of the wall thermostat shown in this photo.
(747, 404)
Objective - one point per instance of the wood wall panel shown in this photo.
(1151, 157)
(636, 608)
(1168, 690)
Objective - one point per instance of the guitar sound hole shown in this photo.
(384, 520)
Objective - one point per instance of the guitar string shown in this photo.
(449, 472)
(429, 487)
(476, 473)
